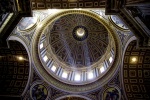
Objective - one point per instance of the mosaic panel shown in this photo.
(111, 93)
(39, 92)
(136, 75)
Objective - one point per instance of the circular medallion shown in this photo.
(118, 23)
(27, 23)
(39, 92)
(112, 93)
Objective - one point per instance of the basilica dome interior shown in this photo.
(75, 50)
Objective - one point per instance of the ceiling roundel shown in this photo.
(78, 40)
(75, 47)
(118, 23)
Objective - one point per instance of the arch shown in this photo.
(128, 42)
(22, 41)
(135, 71)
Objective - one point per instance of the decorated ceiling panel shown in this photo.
(136, 72)
(65, 4)
(14, 69)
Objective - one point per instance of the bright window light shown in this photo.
(53, 68)
(64, 74)
(90, 75)
(41, 45)
(50, 11)
(45, 58)
(35, 19)
(77, 77)
(110, 59)
(134, 59)
(100, 13)
(20, 58)
(102, 69)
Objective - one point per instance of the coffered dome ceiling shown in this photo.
(75, 47)
(78, 40)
